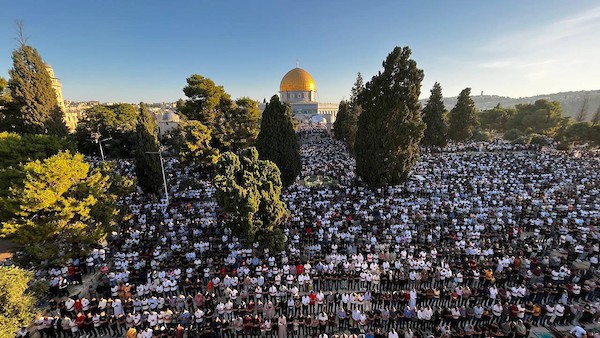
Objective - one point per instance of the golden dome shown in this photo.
(297, 79)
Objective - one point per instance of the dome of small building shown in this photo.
(297, 79)
(170, 117)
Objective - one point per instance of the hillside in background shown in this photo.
(571, 102)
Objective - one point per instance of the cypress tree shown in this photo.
(342, 120)
(434, 116)
(277, 140)
(35, 107)
(463, 117)
(147, 161)
(390, 126)
(357, 88)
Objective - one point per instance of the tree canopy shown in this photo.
(61, 207)
(16, 302)
(434, 117)
(16, 149)
(342, 119)
(147, 160)
(192, 142)
(232, 125)
(496, 118)
(463, 117)
(390, 126)
(543, 117)
(249, 190)
(117, 121)
(34, 108)
(277, 140)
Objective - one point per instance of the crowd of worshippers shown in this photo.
(478, 243)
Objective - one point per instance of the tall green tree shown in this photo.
(147, 161)
(16, 150)
(463, 117)
(543, 117)
(238, 126)
(277, 140)
(192, 143)
(61, 208)
(390, 126)
(233, 125)
(342, 119)
(496, 118)
(579, 132)
(17, 303)
(117, 121)
(434, 117)
(205, 100)
(354, 111)
(357, 88)
(35, 108)
(249, 189)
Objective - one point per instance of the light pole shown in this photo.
(96, 138)
(100, 144)
(162, 168)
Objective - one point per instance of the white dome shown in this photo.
(170, 117)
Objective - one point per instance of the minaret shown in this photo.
(56, 86)
(70, 117)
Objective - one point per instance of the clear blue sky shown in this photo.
(125, 50)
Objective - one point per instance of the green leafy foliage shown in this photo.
(249, 190)
(341, 125)
(539, 140)
(513, 134)
(147, 160)
(434, 116)
(525, 139)
(205, 100)
(480, 135)
(16, 301)
(232, 125)
(496, 118)
(583, 132)
(277, 140)
(192, 143)
(61, 207)
(34, 108)
(390, 125)
(357, 88)
(117, 121)
(543, 117)
(16, 149)
(463, 117)
(238, 126)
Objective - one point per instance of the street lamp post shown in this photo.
(162, 168)
(100, 145)
(96, 138)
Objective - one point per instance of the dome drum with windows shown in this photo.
(298, 89)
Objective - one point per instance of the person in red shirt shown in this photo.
(71, 273)
(210, 287)
(299, 269)
(79, 320)
(78, 306)
(313, 297)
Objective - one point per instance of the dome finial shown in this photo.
(297, 63)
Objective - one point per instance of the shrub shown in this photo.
(539, 140)
(481, 136)
(522, 140)
(513, 134)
